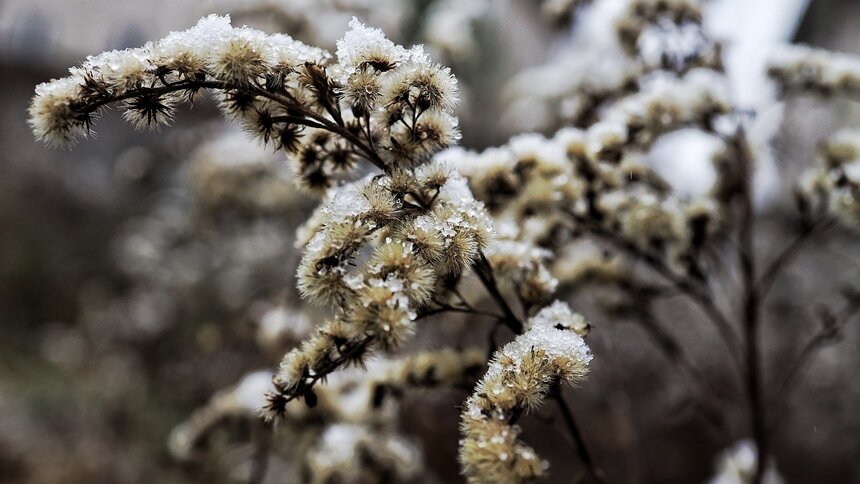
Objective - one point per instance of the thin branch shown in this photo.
(593, 469)
(674, 351)
(305, 386)
(751, 304)
(696, 292)
(828, 334)
(790, 253)
(485, 274)
(297, 120)
(448, 308)
(330, 125)
(285, 100)
(92, 106)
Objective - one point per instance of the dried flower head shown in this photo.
(799, 69)
(835, 181)
(519, 377)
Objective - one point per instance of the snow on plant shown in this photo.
(520, 376)
(408, 220)
(351, 434)
(382, 250)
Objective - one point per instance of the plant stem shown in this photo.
(828, 334)
(676, 355)
(448, 308)
(313, 119)
(584, 454)
(485, 274)
(698, 294)
(791, 251)
(751, 305)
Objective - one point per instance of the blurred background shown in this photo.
(139, 272)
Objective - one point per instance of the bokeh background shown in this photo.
(132, 289)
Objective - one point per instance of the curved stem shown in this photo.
(454, 309)
(826, 335)
(790, 253)
(287, 101)
(572, 427)
(696, 292)
(751, 305)
(306, 386)
(675, 353)
(485, 274)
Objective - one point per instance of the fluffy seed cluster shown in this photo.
(800, 68)
(523, 266)
(351, 435)
(631, 203)
(149, 81)
(665, 103)
(409, 98)
(665, 76)
(667, 34)
(377, 251)
(615, 50)
(376, 100)
(520, 375)
(522, 184)
(378, 248)
(547, 193)
(835, 181)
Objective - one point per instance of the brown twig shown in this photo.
(584, 454)
(673, 350)
(699, 294)
(485, 273)
(751, 303)
(304, 388)
(312, 118)
(790, 253)
(448, 308)
(828, 334)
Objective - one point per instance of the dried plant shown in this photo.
(411, 226)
